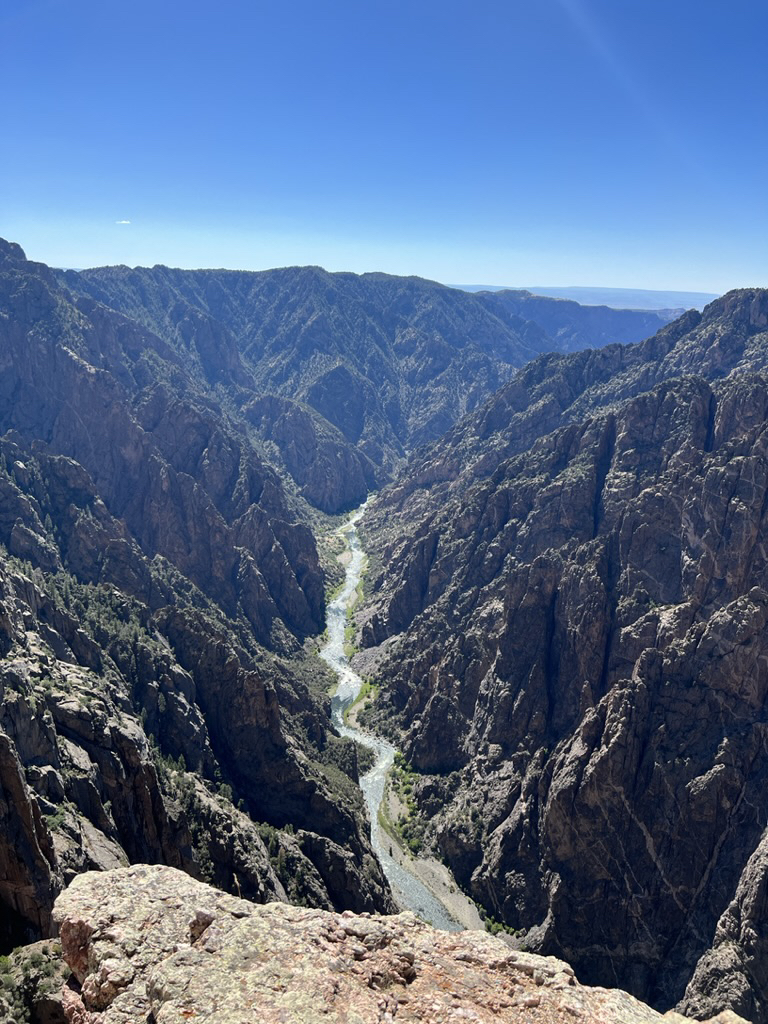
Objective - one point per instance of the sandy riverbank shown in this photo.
(429, 871)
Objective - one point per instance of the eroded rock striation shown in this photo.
(151, 943)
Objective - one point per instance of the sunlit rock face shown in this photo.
(151, 943)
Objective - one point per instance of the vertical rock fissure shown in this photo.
(602, 468)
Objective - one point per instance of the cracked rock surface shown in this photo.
(152, 944)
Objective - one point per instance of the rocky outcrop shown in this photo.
(733, 972)
(330, 471)
(150, 943)
(576, 654)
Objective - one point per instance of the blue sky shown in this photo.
(569, 142)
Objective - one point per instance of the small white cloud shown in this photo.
(122, 222)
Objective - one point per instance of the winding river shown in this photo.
(409, 891)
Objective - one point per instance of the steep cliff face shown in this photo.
(131, 726)
(371, 364)
(577, 651)
(188, 484)
(156, 585)
(330, 472)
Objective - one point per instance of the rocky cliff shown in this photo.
(157, 583)
(575, 625)
(574, 604)
(149, 943)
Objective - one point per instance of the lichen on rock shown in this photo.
(151, 943)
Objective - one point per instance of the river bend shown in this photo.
(409, 891)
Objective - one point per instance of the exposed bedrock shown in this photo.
(151, 943)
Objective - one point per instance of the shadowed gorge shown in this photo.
(157, 586)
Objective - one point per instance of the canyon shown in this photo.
(564, 613)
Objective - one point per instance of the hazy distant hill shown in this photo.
(668, 303)
(572, 326)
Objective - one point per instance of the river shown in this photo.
(409, 891)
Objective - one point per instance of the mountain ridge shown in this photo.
(415, 354)
(662, 301)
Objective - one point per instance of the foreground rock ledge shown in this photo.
(151, 944)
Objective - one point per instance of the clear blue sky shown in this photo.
(569, 142)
